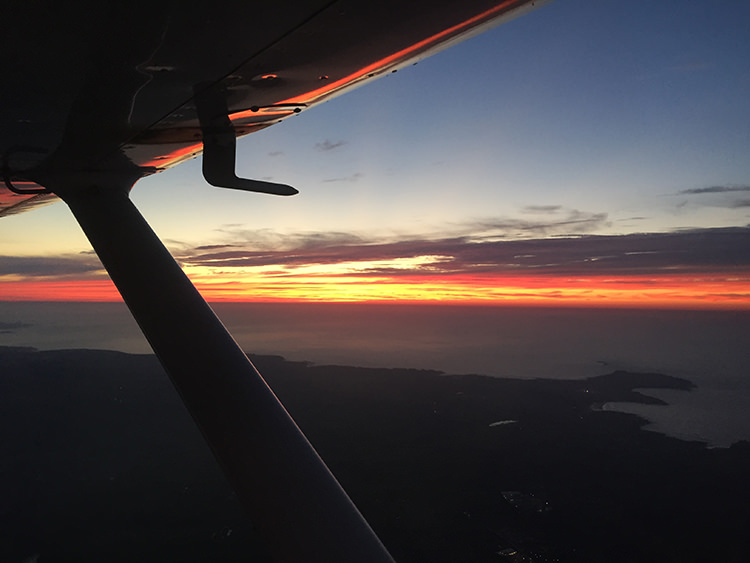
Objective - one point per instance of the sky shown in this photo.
(592, 152)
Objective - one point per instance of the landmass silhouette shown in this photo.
(100, 461)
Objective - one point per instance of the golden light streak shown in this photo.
(714, 291)
(718, 290)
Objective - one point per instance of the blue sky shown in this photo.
(600, 107)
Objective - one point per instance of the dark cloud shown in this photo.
(681, 252)
(214, 246)
(722, 196)
(84, 263)
(328, 145)
(716, 190)
(694, 251)
(481, 250)
(276, 153)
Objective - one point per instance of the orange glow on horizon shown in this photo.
(69, 290)
(683, 291)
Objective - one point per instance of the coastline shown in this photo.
(89, 433)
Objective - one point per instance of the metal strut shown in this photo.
(220, 146)
(8, 173)
(297, 504)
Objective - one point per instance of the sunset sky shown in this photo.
(593, 152)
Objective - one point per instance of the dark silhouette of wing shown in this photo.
(96, 95)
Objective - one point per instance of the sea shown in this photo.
(709, 348)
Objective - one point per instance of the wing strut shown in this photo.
(297, 504)
(220, 146)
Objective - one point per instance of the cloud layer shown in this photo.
(692, 251)
(481, 250)
(50, 266)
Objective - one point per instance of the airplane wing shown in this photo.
(93, 86)
(96, 95)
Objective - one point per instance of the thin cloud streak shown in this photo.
(716, 190)
(575, 222)
(352, 178)
(267, 239)
(722, 196)
(328, 145)
(539, 209)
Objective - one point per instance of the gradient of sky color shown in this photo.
(583, 119)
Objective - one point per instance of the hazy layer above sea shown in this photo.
(707, 347)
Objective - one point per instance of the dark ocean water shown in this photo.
(707, 347)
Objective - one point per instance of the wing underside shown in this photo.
(103, 87)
